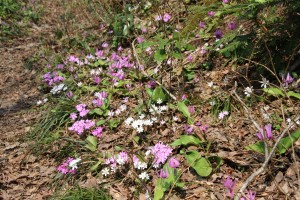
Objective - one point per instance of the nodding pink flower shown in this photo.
(144, 30)
(211, 13)
(250, 196)
(229, 184)
(140, 39)
(183, 97)
(191, 109)
(218, 34)
(202, 25)
(268, 131)
(188, 129)
(151, 84)
(70, 94)
(289, 79)
(104, 45)
(98, 102)
(174, 163)
(163, 173)
(120, 48)
(190, 58)
(225, 1)
(99, 53)
(231, 25)
(166, 17)
(97, 80)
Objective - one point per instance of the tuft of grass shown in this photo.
(83, 194)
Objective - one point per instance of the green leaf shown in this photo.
(186, 140)
(99, 123)
(149, 91)
(159, 93)
(117, 148)
(90, 88)
(159, 191)
(286, 143)
(95, 166)
(185, 111)
(202, 167)
(217, 160)
(274, 91)
(160, 55)
(258, 147)
(192, 155)
(91, 143)
(293, 94)
(98, 111)
(113, 123)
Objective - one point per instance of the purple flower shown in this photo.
(289, 79)
(269, 134)
(211, 13)
(229, 184)
(80, 107)
(70, 94)
(188, 129)
(250, 196)
(140, 39)
(191, 109)
(225, 1)
(73, 116)
(166, 17)
(98, 131)
(151, 84)
(218, 34)
(183, 97)
(174, 163)
(190, 58)
(231, 25)
(59, 66)
(80, 126)
(97, 80)
(104, 45)
(99, 53)
(163, 173)
(161, 153)
(202, 25)
(98, 102)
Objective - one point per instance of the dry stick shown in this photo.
(263, 167)
(145, 74)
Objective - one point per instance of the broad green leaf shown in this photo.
(217, 160)
(160, 55)
(286, 143)
(113, 123)
(192, 155)
(99, 123)
(274, 91)
(90, 88)
(186, 140)
(98, 111)
(91, 143)
(95, 166)
(258, 147)
(117, 148)
(149, 91)
(184, 109)
(159, 191)
(202, 167)
(293, 94)
(159, 93)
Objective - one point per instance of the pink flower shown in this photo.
(190, 58)
(73, 116)
(191, 109)
(98, 131)
(140, 39)
(183, 97)
(104, 45)
(188, 129)
(289, 79)
(229, 184)
(70, 94)
(231, 25)
(211, 13)
(202, 25)
(163, 173)
(268, 134)
(98, 102)
(250, 196)
(225, 1)
(166, 17)
(174, 163)
(161, 153)
(97, 80)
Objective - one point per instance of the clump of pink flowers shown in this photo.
(81, 108)
(229, 185)
(80, 126)
(267, 134)
(161, 152)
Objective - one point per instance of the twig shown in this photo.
(268, 158)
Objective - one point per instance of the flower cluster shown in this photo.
(51, 78)
(229, 185)
(69, 166)
(139, 124)
(58, 88)
(223, 114)
(161, 152)
(80, 126)
(267, 134)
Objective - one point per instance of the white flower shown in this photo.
(248, 91)
(155, 70)
(162, 122)
(92, 72)
(288, 120)
(73, 163)
(164, 108)
(144, 176)
(148, 197)
(123, 107)
(210, 84)
(128, 121)
(110, 113)
(79, 84)
(264, 82)
(154, 119)
(105, 171)
(117, 112)
(140, 165)
(159, 101)
(223, 114)
(39, 102)
(120, 161)
(148, 152)
(45, 100)
(140, 129)
(142, 116)
(212, 103)
(148, 122)
(175, 118)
